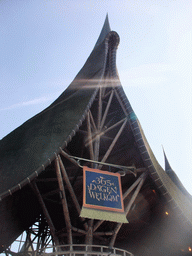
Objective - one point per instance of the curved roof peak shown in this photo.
(167, 165)
(105, 30)
(173, 176)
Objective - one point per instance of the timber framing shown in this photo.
(101, 131)
(94, 130)
(62, 178)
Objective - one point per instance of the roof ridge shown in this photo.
(105, 30)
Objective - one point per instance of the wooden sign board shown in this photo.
(102, 195)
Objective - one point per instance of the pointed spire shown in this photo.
(105, 30)
(173, 176)
(167, 165)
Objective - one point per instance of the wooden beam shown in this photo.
(97, 225)
(68, 157)
(10, 252)
(107, 109)
(99, 114)
(89, 236)
(96, 149)
(106, 94)
(29, 242)
(64, 201)
(70, 188)
(114, 125)
(110, 233)
(45, 211)
(127, 209)
(101, 133)
(120, 102)
(113, 143)
(52, 201)
(92, 121)
(90, 141)
(79, 230)
(52, 192)
(46, 180)
(130, 189)
(104, 85)
(97, 138)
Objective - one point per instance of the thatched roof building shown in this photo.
(41, 175)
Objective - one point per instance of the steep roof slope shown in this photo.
(25, 152)
(27, 148)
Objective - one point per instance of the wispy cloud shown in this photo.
(36, 101)
(144, 75)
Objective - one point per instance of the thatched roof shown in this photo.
(25, 152)
(31, 145)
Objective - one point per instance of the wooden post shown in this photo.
(90, 139)
(70, 188)
(89, 236)
(107, 109)
(115, 125)
(113, 142)
(45, 211)
(127, 209)
(92, 120)
(98, 224)
(120, 102)
(68, 157)
(130, 189)
(79, 230)
(99, 110)
(64, 201)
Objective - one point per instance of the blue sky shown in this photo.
(43, 45)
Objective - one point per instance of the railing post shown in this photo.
(84, 250)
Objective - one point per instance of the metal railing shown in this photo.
(82, 249)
